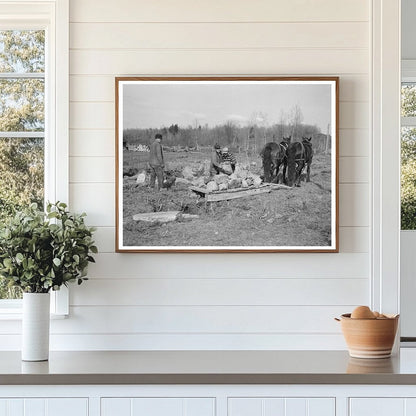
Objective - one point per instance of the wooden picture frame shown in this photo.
(239, 198)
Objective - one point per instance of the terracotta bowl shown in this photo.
(369, 366)
(369, 338)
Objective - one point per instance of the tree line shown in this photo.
(247, 138)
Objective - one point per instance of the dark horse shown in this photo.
(274, 156)
(299, 155)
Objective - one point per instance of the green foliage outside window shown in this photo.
(408, 160)
(21, 110)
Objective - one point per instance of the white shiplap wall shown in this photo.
(181, 301)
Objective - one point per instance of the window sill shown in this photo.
(13, 315)
(12, 309)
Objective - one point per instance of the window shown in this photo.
(22, 124)
(33, 111)
(408, 155)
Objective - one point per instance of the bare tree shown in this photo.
(296, 118)
(282, 124)
(259, 121)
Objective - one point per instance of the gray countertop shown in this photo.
(207, 367)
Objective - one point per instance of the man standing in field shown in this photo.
(156, 163)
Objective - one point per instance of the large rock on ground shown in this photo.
(199, 169)
(250, 181)
(188, 173)
(200, 182)
(141, 179)
(221, 178)
(182, 183)
(157, 217)
(212, 186)
(227, 168)
(241, 172)
(235, 183)
(223, 186)
(257, 180)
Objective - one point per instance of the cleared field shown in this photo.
(293, 217)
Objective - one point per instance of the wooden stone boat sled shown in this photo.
(229, 194)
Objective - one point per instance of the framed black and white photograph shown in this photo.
(227, 164)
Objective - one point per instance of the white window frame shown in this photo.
(407, 236)
(53, 17)
(385, 209)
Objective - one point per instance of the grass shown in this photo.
(293, 217)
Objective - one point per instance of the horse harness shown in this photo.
(303, 152)
(284, 146)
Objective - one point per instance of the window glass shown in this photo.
(22, 105)
(22, 125)
(22, 51)
(408, 158)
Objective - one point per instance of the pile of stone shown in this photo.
(198, 175)
(241, 178)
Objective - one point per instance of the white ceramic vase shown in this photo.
(35, 326)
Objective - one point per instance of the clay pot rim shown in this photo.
(347, 316)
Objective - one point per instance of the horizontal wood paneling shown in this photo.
(92, 115)
(353, 170)
(220, 291)
(101, 88)
(146, 342)
(218, 11)
(96, 199)
(90, 169)
(201, 319)
(352, 239)
(105, 239)
(194, 320)
(352, 115)
(219, 62)
(287, 297)
(95, 143)
(92, 88)
(205, 266)
(354, 208)
(218, 36)
(354, 142)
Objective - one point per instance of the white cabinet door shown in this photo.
(269, 406)
(160, 406)
(382, 406)
(44, 407)
(377, 407)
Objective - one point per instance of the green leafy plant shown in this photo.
(43, 251)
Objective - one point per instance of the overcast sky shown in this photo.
(155, 105)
